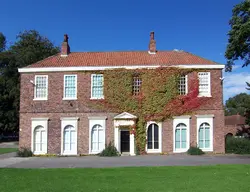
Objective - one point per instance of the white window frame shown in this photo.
(205, 119)
(209, 85)
(185, 120)
(41, 98)
(160, 137)
(92, 75)
(186, 85)
(35, 122)
(66, 121)
(98, 120)
(64, 83)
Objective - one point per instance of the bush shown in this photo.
(109, 151)
(238, 145)
(24, 152)
(195, 151)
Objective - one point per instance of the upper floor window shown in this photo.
(41, 87)
(70, 87)
(204, 84)
(137, 81)
(183, 85)
(97, 86)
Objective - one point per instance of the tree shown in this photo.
(238, 104)
(239, 36)
(2, 42)
(29, 48)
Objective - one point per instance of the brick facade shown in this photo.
(55, 107)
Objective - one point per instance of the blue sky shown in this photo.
(196, 26)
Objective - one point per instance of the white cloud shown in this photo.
(235, 83)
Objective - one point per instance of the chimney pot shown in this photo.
(152, 43)
(65, 49)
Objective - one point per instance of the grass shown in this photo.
(8, 150)
(154, 179)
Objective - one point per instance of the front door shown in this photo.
(125, 141)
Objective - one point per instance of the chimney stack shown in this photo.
(65, 49)
(152, 43)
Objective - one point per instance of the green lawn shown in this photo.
(152, 179)
(7, 150)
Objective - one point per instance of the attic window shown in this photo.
(137, 81)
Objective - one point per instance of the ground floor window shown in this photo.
(181, 136)
(153, 136)
(40, 144)
(69, 139)
(204, 136)
(97, 138)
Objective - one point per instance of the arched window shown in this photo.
(204, 136)
(153, 136)
(39, 139)
(69, 139)
(181, 136)
(97, 138)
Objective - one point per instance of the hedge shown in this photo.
(238, 145)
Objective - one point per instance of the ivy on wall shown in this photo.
(158, 99)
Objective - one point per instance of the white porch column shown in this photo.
(117, 139)
(132, 145)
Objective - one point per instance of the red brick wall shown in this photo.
(55, 107)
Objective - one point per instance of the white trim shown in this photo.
(91, 88)
(125, 115)
(35, 122)
(97, 117)
(100, 68)
(185, 120)
(205, 119)
(182, 117)
(186, 78)
(72, 121)
(209, 85)
(92, 123)
(160, 137)
(204, 116)
(47, 87)
(69, 98)
(69, 118)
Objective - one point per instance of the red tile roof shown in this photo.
(128, 58)
(235, 120)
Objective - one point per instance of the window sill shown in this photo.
(204, 95)
(207, 149)
(66, 99)
(180, 150)
(96, 98)
(40, 99)
(153, 151)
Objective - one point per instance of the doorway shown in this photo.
(125, 141)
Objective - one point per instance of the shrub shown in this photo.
(24, 152)
(109, 151)
(238, 145)
(195, 151)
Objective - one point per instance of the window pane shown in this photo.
(183, 138)
(41, 87)
(207, 137)
(203, 83)
(70, 86)
(137, 81)
(201, 133)
(97, 86)
(156, 136)
(182, 85)
(150, 137)
(177, 138)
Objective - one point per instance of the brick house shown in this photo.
(55, 119)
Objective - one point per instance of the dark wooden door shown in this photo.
(125, 141)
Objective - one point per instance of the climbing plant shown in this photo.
(157, 100)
